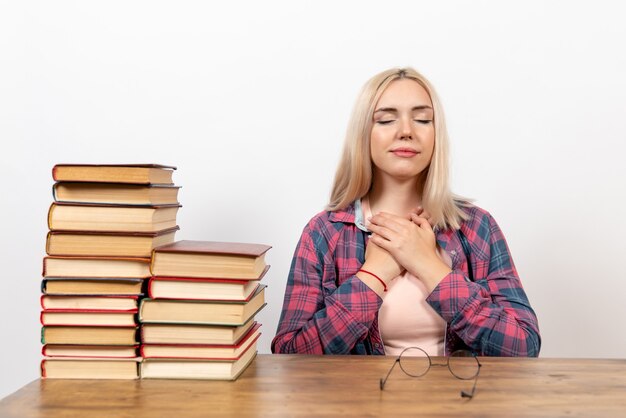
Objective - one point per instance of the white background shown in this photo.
(251, 99)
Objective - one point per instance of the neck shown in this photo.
(394, 196)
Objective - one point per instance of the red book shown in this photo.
(200, 351)
(202, 288)
(81, 303)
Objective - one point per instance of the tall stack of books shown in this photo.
(104, 223)
(198, 321)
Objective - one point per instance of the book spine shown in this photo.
(50, 210)
(48, 243)
(41, 301)
(54, 173)
(54, 192)
(43, 336)
(150, 280)
(141, 351)
(43, 368)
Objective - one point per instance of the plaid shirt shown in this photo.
(328, 310)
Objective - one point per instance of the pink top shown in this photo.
(405, 319)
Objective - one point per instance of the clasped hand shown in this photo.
(403, 243)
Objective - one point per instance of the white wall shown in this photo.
(250, 100)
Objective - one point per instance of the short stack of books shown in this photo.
(104, 223)
(198, 321)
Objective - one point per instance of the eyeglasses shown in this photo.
(415, 362)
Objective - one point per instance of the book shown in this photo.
(195, 288)
(92, 318)
(114, 173)
(104, 303)
(69, 335)
(113, 267)
(91, 351)
(83, 368)
(197, 369)
(197, 351)
(115, 193)
(210, 259)
(202, 312)
(107, 244)
(111, 218)
(194, 334)
(91, 286)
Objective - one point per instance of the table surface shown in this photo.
(301, 385)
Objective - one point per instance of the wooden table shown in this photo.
(295, 385)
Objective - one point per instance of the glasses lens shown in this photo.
(463, 364)
(414, 361)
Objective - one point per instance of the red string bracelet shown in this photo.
(378, 278)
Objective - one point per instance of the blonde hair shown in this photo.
(353, 177)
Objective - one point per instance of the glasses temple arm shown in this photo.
(383, 381)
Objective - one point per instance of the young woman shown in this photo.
(370, 275)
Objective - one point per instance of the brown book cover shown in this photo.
(92, 267)
(88, 318)
(111, 218)
(89, 368)
(72, 335)
(115, 193)
(90, 351)
(107, 243)
(215, 247)
(88, 286)
(114, 173)
(223, 260)
(125, 303)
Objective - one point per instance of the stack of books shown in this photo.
(198, 321)
(104, 223)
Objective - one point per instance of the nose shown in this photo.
(406, 128)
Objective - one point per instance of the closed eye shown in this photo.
(423, 121)
(385, 122)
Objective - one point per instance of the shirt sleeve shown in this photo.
(491, 315)
(319, 317)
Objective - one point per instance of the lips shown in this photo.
(404, 152)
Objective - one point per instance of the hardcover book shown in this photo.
(195, 288)
(92, 318)
(70, 335)
(91, 286)
(111, 218)
(197, 351)
(90, 351)
(202, 312)
(107, 244)
(84, 368)
(197, 369)
(194, 334)
(112, 267)
(210, 259)
(115, 193)
(80, 303)
(114, 173)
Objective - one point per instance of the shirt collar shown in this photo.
(352, 214)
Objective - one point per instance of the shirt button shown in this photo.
(377, 345)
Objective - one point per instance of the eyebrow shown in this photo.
(394, 110)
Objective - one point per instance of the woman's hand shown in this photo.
(412, 243)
